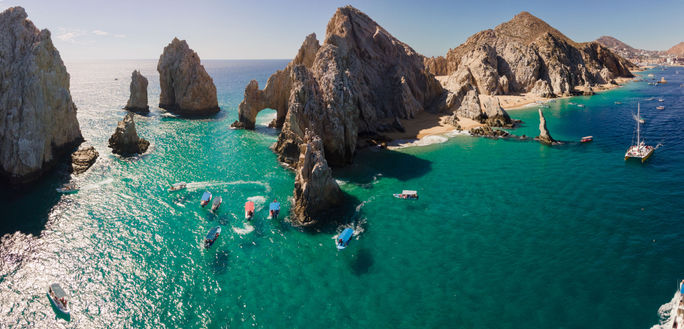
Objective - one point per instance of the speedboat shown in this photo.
(58, 298)
(216, 203)
(406, 194)
(212, 236)
(178, 186)
(206, 197)
(274, 209)
(67, 188)
(249, 210)
(660, 107)
(580, 105)
(343, 239)
(661, 100)
(586, 139)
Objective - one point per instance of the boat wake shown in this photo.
(202, 185)
(243, 230)
(97, 185)
(259, 201)
(665, 313)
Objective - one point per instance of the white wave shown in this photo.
(97, 185)
(427, 140)
(457, 132)
(340, 182)
(258, 200)
(665, 313)
(201, 185)
(243, 230)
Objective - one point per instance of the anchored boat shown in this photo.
(178, 186)
(406, 194)
(216, 203)
(639, 150)
(274, 209)
(206, 197)
(660, 107)
(58, 298)
(249, 210)
(344, 238)
(587, 139)
(212, 236)
(68, 188)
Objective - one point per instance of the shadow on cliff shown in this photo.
(26, 208)
(370, 164)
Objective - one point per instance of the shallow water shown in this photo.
(505, 234)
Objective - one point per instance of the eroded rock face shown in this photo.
(125, 140)
(186, 87)
(544, 136)
(362, 76)
(316, 193)
(38, 122)
(83, 158)
(137, 102)
(436, 65)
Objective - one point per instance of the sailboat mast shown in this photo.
(638, 123)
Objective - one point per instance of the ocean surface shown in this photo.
(506, 234)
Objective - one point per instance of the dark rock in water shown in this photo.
(38, 124)
(83, 158)
(316, 192)
(544, 136)
(486, 131)
(237, 125)
(125, 140)
(137, 102)
(186, 87)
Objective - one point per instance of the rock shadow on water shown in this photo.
(368, 165)
(362, 261)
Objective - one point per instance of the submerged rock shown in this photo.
(83, 158)
(316, 193)
(186, 87)
(38, 123)
(125, 140)
(544, 136)
(137, 102)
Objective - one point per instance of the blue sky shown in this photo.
(125, 29)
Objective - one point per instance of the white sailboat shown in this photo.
(639, 150)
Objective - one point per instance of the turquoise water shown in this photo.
(506, 234)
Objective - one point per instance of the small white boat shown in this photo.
(67, 188)
(206, 197)
(274, 209)
(58, 298)
(343, 239)
(639, 150)
(661, 100)
(406, 194)
(587, 139)
(249, 210)
(660, 107)
(216, 203)
(580, 105)
(212, 236)
(618, 103)
(178, 186)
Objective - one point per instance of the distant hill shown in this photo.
(677, 50)
(624, 49)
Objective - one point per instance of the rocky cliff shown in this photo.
(362, 78)
(526, 54)
(137, 102)
(316, 193)
(125, 140)
(186, 87)
(38, 122)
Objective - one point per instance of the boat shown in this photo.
(216, 203)
(343, 239)
(662, 80)
(661, 100)
(206, 197)
(580, 105)
(650, 75)
(274, 209)
(677, 311)
(249, 210)
(586, 139)
(212, 236)
(406, 194)
(571, 103)
(639, 119)
(618, 103)
(660, 107)
(67, 188)
(639, 150)
(178, 186)
(58, 298)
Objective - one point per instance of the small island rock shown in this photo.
(83, 158)
(137, 102)
(125, 140)
(544, 136)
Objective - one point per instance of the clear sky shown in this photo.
(139, 29)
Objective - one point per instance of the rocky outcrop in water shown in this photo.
(363, 78)
(125, 140)
(316, 193)
(38, 122)
(544, 136)
(526, 54)
(83, 158)
(186, 87)
(137, 102)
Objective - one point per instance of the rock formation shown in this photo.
(83, 158)
(625, 50)
(125, 140)
(186, 87)
(435, 65)
(137, 102)
(38, 122)
(362, 77)
(525, 54)
(544, 136)
(316, 193)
